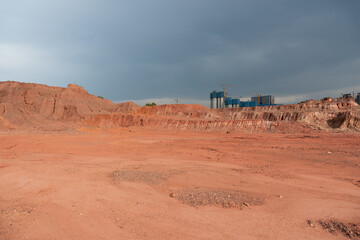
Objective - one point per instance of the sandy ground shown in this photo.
(137, 183)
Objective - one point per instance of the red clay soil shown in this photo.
(37, 105)
(92, 169)
(26, 105)
(139, 183)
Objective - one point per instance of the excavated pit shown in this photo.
(39, 106)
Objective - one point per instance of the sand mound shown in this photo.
(27, 104)
(127, 107)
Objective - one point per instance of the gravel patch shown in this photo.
(215, 197)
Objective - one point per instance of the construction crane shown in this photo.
(227, 85)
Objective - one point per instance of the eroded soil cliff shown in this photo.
(41, 106)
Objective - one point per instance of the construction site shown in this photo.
(76, 166)
(220, 99)
(179, 120)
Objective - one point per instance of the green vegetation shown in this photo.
(101, 97)
(150, 104)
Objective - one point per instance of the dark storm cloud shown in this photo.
(165, 49)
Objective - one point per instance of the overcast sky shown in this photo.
(167, 49)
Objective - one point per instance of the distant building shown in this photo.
(347, 95)
(217, 99)
(264, 100)
(357, 99)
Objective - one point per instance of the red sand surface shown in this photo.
(74, 166)
(138, 183)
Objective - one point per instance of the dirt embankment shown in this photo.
(327, 114)
(29, 104)
(36, 105)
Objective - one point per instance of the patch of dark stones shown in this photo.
(148, 177)
(212, 197)
(350, 230)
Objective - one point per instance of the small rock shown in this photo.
(310, 223)
(279, 196)
(172, 194)
(246, 204)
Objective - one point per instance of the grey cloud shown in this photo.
(166, 49)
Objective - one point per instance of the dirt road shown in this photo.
(137, 183)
